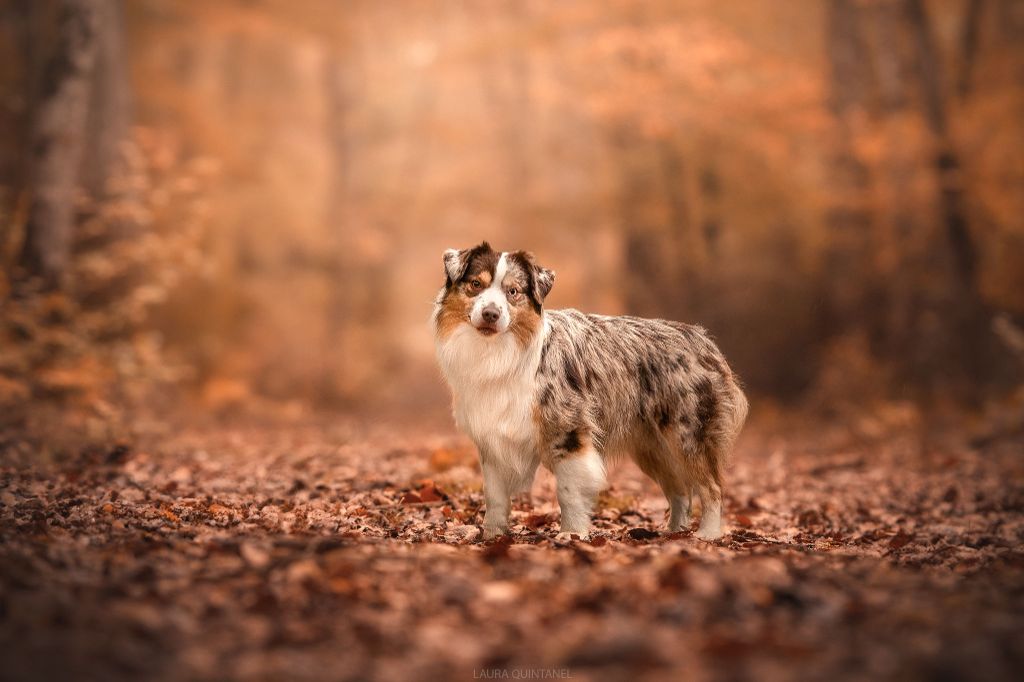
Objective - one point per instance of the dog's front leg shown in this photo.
(682, 508)
(581, 477)
(497, 496)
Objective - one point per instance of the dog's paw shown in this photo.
(491, 532)
(708, 534)
(566, 536)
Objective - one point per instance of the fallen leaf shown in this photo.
(641, 534)
(497, 549)
(537, 520)
(460, 534)
(900, 540)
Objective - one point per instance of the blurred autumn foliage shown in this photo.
(225, 451)
(259, 192)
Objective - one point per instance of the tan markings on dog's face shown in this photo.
(475, 291)
(474, 283)
(454, 311)
(458, 298)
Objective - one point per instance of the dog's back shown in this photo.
(658, 391)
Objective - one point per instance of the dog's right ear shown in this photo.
(457, 260)
(455, 264)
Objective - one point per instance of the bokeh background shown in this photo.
(226, 452)
(246, 201)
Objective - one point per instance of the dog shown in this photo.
(565, 389)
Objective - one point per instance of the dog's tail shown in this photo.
(727, 413)
(734, 413)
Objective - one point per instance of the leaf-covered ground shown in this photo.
(882, 549)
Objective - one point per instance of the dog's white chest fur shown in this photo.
(493, 383)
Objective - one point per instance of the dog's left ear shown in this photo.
(541, 279)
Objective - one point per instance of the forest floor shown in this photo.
(881, 549)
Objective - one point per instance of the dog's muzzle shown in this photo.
(489, 316)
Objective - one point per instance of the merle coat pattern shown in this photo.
(570, 390)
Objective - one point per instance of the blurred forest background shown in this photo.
(247, 200)
(226, 452)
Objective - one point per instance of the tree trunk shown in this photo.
(849, 218)
(969, 44)
(109, 119)
(645, 241)
(506, 84)
(946, 163)
(58, 140)
(971, 344)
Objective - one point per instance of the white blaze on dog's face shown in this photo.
(492, 291)
(489, 311)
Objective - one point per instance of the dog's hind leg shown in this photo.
(711, 512)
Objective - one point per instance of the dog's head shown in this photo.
(492, 291)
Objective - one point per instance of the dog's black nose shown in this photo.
(491, 314)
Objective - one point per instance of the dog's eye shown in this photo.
(513, 292)
(476, 284)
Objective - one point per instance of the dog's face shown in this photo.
(494, 292)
